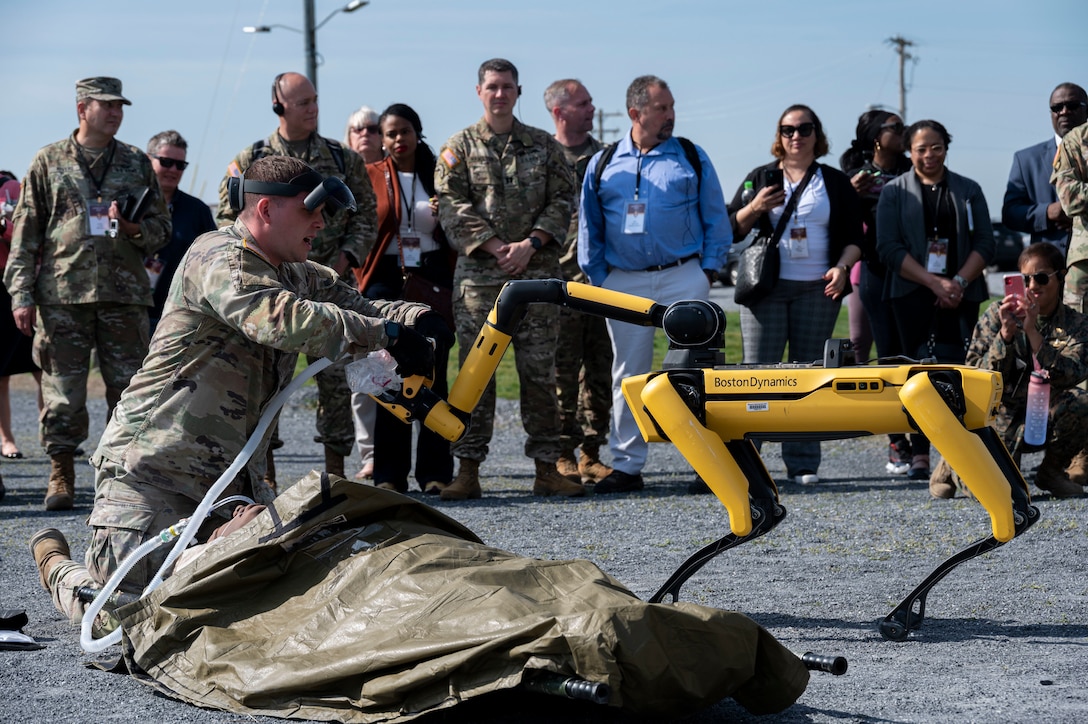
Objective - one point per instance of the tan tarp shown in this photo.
(345, 602)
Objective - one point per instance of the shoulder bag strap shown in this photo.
(791, 205)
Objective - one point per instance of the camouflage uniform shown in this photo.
(91, 292)
(506, 186)
(353, 234)
(583, 358)
(231, 331)
(1064, 353)
(1070, 179)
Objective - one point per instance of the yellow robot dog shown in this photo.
(713, 413)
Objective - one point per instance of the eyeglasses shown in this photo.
(1041, 278)
(171, 162)
(898, 127)
(372, 128)
(1067, 106)
(805, 129)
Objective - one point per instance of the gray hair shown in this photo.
(365, 116)
(638, 93)
(559, 92)
(166, 138)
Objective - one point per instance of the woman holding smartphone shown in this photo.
(933, 233)
(821, 240)
(1031, 327)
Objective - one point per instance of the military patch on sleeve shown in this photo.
(233, 170)
(449, 158)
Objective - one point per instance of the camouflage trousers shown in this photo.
(123, 518)
(335, 425)
(534, 347)
(1076, 286)
(1065, 426)
(65, 335)
(583, 379)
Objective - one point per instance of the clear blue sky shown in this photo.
(984, 68)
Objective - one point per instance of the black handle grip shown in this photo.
(835, 665)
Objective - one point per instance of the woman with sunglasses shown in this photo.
(821, 241)
(933, 233)
(875, 157)
(1012, 336)
(409, 241)
(363, 135)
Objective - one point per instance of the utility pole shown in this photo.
(309, 35)
(901, 44)
(601, 130)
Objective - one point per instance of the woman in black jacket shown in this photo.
(821, 241)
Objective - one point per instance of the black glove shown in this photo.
(412, 351)
(431, 324)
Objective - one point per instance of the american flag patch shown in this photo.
(449, 158)
(233, 170)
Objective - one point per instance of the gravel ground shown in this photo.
(1005, 638)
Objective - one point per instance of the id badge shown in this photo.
(937, 257)
(410, 249)
(798, 245)
(634, 217)
(98, 218)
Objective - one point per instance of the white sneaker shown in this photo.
(897, 468)
(806, 479)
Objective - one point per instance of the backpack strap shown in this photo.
(337, 152)
(690, 152)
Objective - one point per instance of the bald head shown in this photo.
(296, 94)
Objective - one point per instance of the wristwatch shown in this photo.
(536, 241)
(961, 281)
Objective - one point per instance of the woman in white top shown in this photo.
(410, 243)
(821, 241)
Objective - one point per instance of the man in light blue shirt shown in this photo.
(654, 224)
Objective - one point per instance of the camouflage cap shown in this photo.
(101, 89)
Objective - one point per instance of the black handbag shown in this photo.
(757, 269)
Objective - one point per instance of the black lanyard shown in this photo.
(410, 208)
(87, 167)
(638, 171)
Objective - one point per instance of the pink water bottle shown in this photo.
(1038, 408)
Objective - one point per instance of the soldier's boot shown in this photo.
(568, 466)
(590, 466)
(1051, 477)
(549, 482)
(334, 462)
(48, 547)
(61, 491)
(269, 478)
(941, 483)
(1078, 469)
(467, 483)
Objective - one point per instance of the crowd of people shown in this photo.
(100, 230)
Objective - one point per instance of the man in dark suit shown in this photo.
(1030, 205)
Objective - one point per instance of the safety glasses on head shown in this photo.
(805, 129)
(330, 191)
(1041, 278)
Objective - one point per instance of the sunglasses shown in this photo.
(373, 128)
(805, 129)
(1041, 278)
(1068, 107)
(171, 162)
(898, 127)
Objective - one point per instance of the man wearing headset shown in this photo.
(244, 303)
(342, 244)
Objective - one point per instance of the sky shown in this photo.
(984, 68)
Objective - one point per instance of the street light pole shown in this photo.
(309, 31)
(310, 36)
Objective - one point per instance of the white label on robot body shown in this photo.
(758, 406)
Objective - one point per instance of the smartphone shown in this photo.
(1014, 284)
(774, 177)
